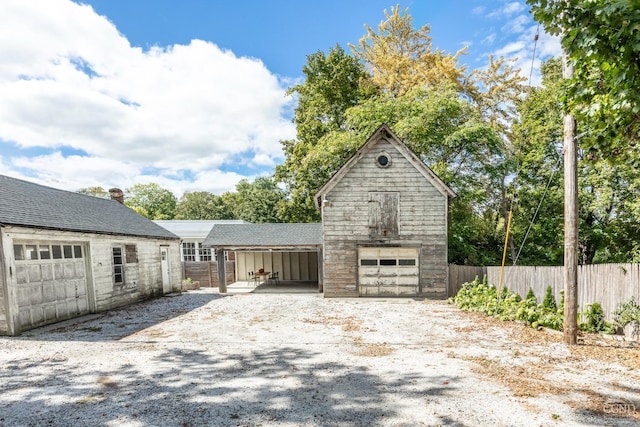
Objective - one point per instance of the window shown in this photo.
(56, 250)
(368, 262)
(18, 252)
(188, 251)
(131, 253)
(383, 160)
(406, 262)
(28, 252)
(45, 252)
(205, 253)
(68, 251)
(193, 251)
(387, 262)
(31, 251)
(118, 267)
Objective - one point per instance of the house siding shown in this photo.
(4, 301)
(142, 280)
(422, 222)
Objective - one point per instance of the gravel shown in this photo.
(204, 359)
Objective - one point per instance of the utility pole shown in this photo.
(570, 220)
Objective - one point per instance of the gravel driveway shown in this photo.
(203, 359)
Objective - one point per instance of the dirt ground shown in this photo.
(204, 359)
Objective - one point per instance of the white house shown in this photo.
(64, 254)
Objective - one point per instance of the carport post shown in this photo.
(222, 274)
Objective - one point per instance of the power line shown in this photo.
(535, 44)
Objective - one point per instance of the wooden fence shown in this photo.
(206, 272)
(607, 284)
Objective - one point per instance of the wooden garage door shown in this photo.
(51, 282)
(388, 271)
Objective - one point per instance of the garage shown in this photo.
(388, 271)
(51, 282)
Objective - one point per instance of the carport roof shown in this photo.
(265, 236)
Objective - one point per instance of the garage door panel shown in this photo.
(50, 290)
(47, 272)
(34, 273)
(24, 296)
(82, 305)
(36, 295)
(388, 271)
(407, 290)
(79, 269)
(37, 315)
(69, 272)
(369, 291)
(58, 271)
(50, 312)
(60, 292)
(22, 276)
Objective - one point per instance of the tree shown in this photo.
(602, 38)
(257, 201)
(401, 58)
(202, 205)
(151, 200)
(333, 83)
(608, 214)
(95, 192)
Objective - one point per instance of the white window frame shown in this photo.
(200, 253)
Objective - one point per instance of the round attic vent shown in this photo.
(383, 160)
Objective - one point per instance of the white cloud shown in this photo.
(507, 9)
(69, 78)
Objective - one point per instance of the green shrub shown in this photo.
(595, 322)
(531, 295)
(483, 298)
(628, 313)
(549, 301)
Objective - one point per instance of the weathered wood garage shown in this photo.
(384, 219)
(65, 254)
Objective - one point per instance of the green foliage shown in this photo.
(255, 202)
(202, 205)
(628, 313)
(595, 322)
(333, 83)
(95, 192)
(151, 200)
(608, 208)
(549, 301)
(601, 37)
(531, 295)
(482, 297)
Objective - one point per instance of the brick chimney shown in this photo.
(117, 195)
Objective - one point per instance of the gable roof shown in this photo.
(32, 205)
(265, 236)
(385, 132)
(194, 228)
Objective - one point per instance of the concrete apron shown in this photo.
(269, 288)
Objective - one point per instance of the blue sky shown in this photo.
(191, 94)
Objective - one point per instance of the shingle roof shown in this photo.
(194, 228)
(32, 205)
(265, 235)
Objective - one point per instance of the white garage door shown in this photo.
(388, 271)
(51, 282)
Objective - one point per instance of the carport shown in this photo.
(292, 251)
